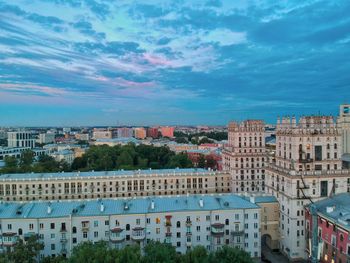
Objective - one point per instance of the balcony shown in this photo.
(188, 223)
(217, 229)
(9, 239)
(306, 160)
(237, 233)
(168, 234)
(167, 223)
(63, 229)
(85, 226)
(63, 240)
(188, 233)
(138, 234)
(117, 235)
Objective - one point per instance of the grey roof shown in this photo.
(339, 206)
(63, 175)
(169, 204)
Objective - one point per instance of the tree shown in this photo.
(26, 160)
(196, 255)
(181, 161)
(211, 162)
(228, 254)
(181, 140)
(156, 252)
(89, 252)
(10, 164)
(24, 251)
(129, 254)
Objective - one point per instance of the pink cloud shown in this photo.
(121, 82)
(156, 60)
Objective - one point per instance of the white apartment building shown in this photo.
(110, 184)
(64, 155)
(17, 139)
(182, 221)
(101, 134)
(244, 156)
(307, 168)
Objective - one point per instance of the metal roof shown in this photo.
(41, 176)
(38, 209)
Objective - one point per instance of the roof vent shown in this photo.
(152, 204)
(252, 199)
(49, 209)
(126, 207)
(102, 207)
(201, 202)
(330, 209)
(226, 204)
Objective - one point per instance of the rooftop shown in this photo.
(123, 206)
(336, 208)
(63, 175)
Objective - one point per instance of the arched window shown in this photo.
(127, 227)
(20, 231)
(74, 230)
(227, 222)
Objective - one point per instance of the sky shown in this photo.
(162, 62)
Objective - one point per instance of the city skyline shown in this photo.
(89, 62)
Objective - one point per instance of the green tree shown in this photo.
(125, 160)
(89, 252)
(196, 255)
(228, 255)
(156, 252)
(129, 254)
(25, 251)
(181, 161)
(26, 160)
(10, 164)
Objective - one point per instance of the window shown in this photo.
(138, 221)
(157, 220)
(148, 220)
(127, 227)
(116, 223)
(227, 222)
(157, 230)
(9, 227)
(74, 240)
(52, 226)
(217, 217)
(95, 223)
(84, 234)
(178, 224)
(74, 230)
(31, 226)
(41, 226)
(107, 223)
(95, 234)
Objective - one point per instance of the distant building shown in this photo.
(82, 136)
(125, 132)
(327, 224)
(140, 133)
(20, 139)
(116, 141)
(244, 156)
(344, 124)
(45, 138)
(152, 132)
(3, 134)
(167, 131)
(17, 152)
(101, 134)
(64, 155)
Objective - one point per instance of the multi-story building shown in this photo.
(101, 134)
(152, 132)
(167, 131)
(110, 184)
(244, 156)
(64, 155)
(344, 125)
(45, 138)
(328, 229)
(17, 152)
(307, 167)
(20, 139)
(3, 134)
(183, 221)
(82, 136)
(140, 133)
(125, 132)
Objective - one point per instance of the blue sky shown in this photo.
(104, 62)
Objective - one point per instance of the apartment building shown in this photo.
(45, 138)
(110, 184)
(17, 139)
(307, 168)
(244, 156)
(328, 229)
(182, 221)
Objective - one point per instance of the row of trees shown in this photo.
(200, 137)
(100, 158)
(26, 164)
(100, 252)
(130, 157)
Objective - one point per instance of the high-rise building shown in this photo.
(244, 156)
(307, 168)
(46, 138)
(344, 124)
(20, 139)
(167, 131)
(101, 134)
(152, 132)
(140, 133)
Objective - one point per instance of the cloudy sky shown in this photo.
(104, 62)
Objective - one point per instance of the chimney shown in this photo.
(252, 199)
(102, 207)
(201, 202)
(49, 209)
(152, 205)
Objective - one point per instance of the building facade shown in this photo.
(110, 184)
(17, 139)
(184, 222)
(167, 131)
(307, 167)
(152, 132)
(328, 230)
(244, 156)
(101, 134)
(140, 133)
(45, 138)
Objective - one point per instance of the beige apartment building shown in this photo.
(111, 184)
(244, 156)
(307, 167)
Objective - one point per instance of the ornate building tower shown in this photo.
(307, 168)
(244, 156)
